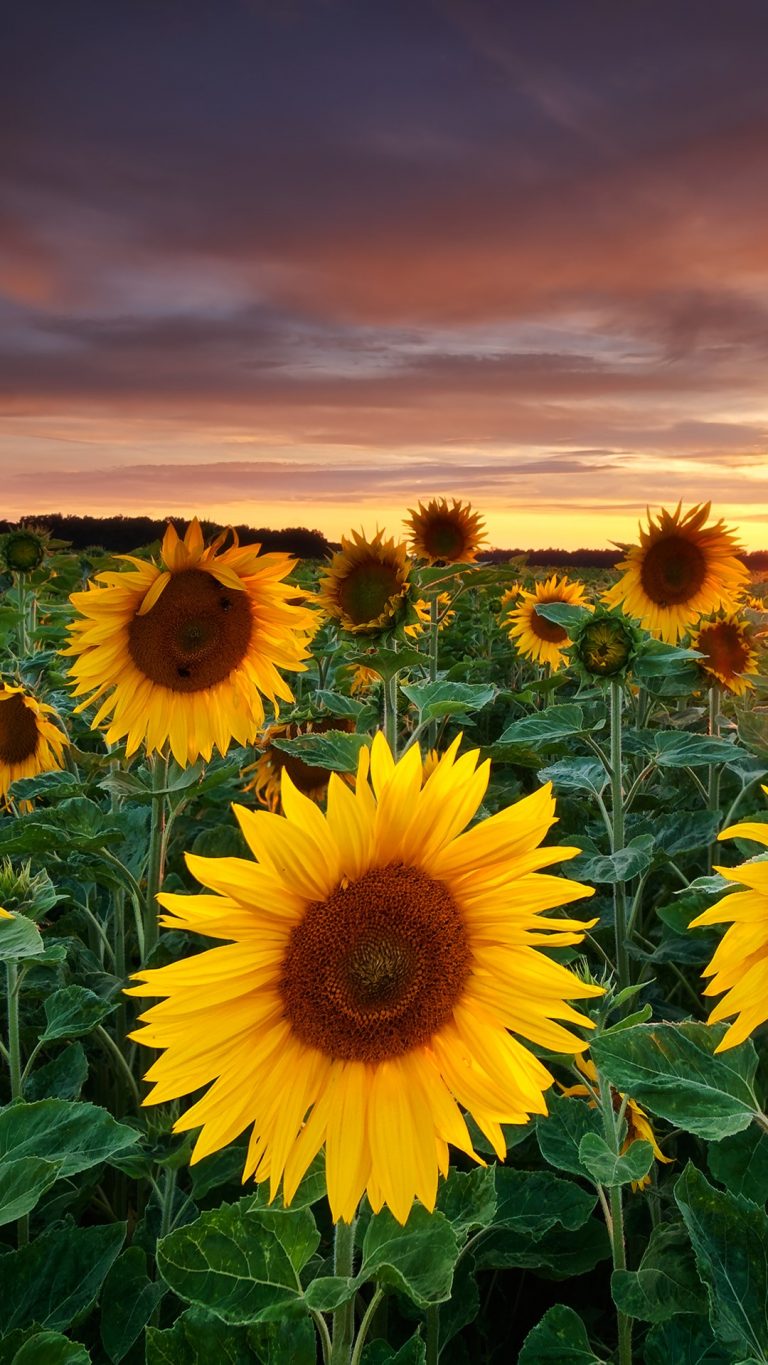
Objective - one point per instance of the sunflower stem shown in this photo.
(390, 713)
(434, 637)
(13, 982)
(433, 1334)
(159, 769)
(713, 779)
(21, 598)
(617, 823)
(344, 1316)
(612, 1127)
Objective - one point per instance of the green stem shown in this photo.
(125, 1070)
(365, 1324)
(434, 635)
(617, 821)
(390, 713)
(159, 766)
(433, 1334)
(344, 1316)
(21, 597)
(13, 981)
(713, 781)
(616, 1225)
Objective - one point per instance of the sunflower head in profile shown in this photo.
(728, 650)
(739, 966)
(639, 1126)
(384, 963)
(24, 548)
(445, 534)
(604, 645)
(366, 586)
(30, 741)
(681, 570)
(311, 780)
(538, 639)
(183, 653)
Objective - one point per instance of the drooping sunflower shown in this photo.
(381, 962)
(681, 570)
(183, 654)
(310, 779)
(739, 965)
(443, 534)
(366, 586)
(30, 742)
(639, 1125)
(538, 639)
(729, 654)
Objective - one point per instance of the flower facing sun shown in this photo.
(538, 639)
(445, 535)
(184, 654)
(681, 570)
(739, 966)
(729, 653)
(311, 780)
(30, 743)
(366, 586)
(379, 955)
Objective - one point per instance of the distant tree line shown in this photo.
(121, 535)
(593, 559)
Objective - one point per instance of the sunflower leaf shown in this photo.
(76, 1135)
(333, 749)
(684, 1340)
(566, 614)
(666, 1282)
(22, 1184)
(740, 1162)
(56, 1278)
(19, 938)
(560, 1338)
(434, 700)
(608, 1168)
(72, 1012)
(33, 1347)
(128, 1301)
(560, 1132)
(417, 1258)
(546, 727)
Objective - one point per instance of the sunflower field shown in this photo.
(383, 952)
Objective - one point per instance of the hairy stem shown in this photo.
(344, 1316)
(617, 822)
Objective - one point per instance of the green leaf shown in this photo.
(729, 1236)
(681, 749)
(41, 1348)
(199, 1338)
(414, 1352)
(672, 1069)
(128, 1301)
(687, 832)
(565, 614)
(416, 1259)
(620, 866)
(19, 938)
(231, 1261)
(22, 1183)
(62, 1078)
(740, 1163)
(575, 774)
(434, 700)
(560, 1338)
(608, 1168)
(529, 1203)
(560, 1132)
(57, 1277)
(468, 1198)
(280, 1343)
(685, 1340)
(333, 749)
(76, 1135)
(388, 662)
(665, 1283)
(73, 1011)
(545, 727)
(337, 704)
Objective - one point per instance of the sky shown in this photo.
(307, 262)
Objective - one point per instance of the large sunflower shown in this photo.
(183, 653)
(537, 638)
(311, 779)
(739, 965)
(445, 535)
(366, 587)
(379, 957)
(681, 570)
(729, 654)
(30, 743)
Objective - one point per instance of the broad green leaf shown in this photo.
(565, 614)
(62, 1078)
(684, 1340)
(56, 1278)
(560, 1132)
(434, 700)
(681, 749)
(231, 1262)
(41, 1348)
(620, 866)
(545, 727)
(199, 1338)
(55, 785)
(417, 1259)
(687, 832)
(608, 1168)
(729, 1236)
(740, 1163)
(22, 1183)
(529, 1203)
(468, 1198)
(293, 1341)
(665, 1283)
(338, 704)
(333, 749)
(672, 1069)
(75, 1135)
(72, 1012)
(414, 1352)
(128, 1301)
(19, 938)
(560, 1338)
(559, 1252)
(575, 774)
(388, 662)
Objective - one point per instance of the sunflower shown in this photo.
(310, 779)
(362, 679)
(681, 570)
(512, 593)
(739, 966)
(604, 645)
(30, 743)
(538, 639)
(729, 655)
(184, 653)
(445, 535)
(378, 957)
(366, 587)
(639, 1125)
(23, 549)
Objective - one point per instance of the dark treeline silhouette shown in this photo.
(121, 535)
(756, 560)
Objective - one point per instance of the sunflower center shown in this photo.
(195, 634)
(366, 591)
(724, 649)
(673, 570)
(547, 630)
(443, 538)
(18, 730)
(376, 969)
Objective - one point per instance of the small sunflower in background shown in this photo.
(728, 648)
(30, 742)
(362, 679)
(24, 548)
(383, 963)
(536, 638)
(445, 534)
(366, 586)
(512, 594)
(605, 645)
(639, 1125)
(681, 570)
(739, 966)
(183, 653)
(264, 776)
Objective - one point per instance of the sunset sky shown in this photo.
(302, 262)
